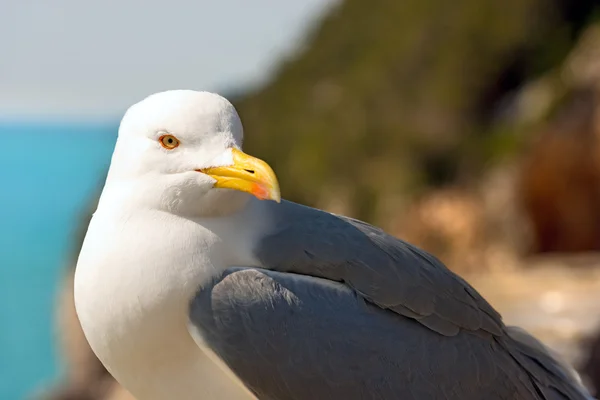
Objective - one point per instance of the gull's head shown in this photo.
(180, 151)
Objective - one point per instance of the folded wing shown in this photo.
(343, 310)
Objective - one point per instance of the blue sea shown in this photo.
(50, 173)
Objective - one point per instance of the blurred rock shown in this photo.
(448, 223)
(560, 185)
(471, 229)
(560, 178)
(82, 365)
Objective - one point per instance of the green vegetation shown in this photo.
(389, 97)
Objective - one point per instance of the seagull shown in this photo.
(196, 281)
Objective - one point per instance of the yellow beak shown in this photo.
(247, 174)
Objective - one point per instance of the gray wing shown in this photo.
(383, 269)
(405, 326)
(289, 337)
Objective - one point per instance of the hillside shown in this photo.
(389, 98)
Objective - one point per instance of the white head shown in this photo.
(180, 151)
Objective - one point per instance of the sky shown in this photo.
(67, 58)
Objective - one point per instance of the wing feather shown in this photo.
(289, 337)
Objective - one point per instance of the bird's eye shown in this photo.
(169, 142)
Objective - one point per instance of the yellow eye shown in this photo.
(169, 142)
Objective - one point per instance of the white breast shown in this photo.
(133, 283)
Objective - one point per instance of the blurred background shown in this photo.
(470, 128)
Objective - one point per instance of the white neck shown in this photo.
(135, 277)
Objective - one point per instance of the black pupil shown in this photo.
(170, 140)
